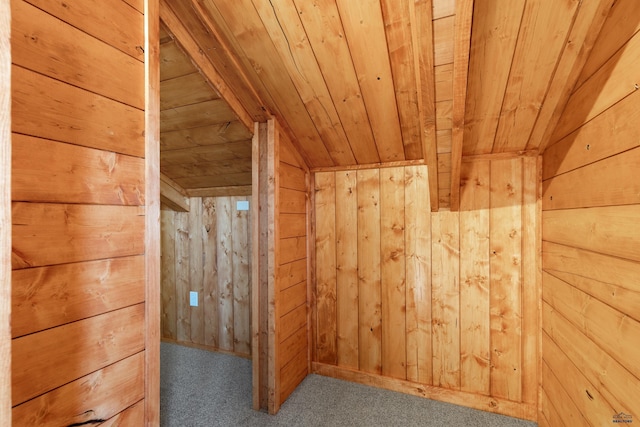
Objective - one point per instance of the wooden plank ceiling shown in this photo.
(369, 81)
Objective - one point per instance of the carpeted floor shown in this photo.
(200, 388)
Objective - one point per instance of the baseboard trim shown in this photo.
(521, 410)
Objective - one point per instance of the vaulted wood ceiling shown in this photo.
(377, 81)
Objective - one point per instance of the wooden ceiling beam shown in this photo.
(421, 16)
(232, 190)
(173, 195)
(244, 103)
(588, 23)
(462, 43)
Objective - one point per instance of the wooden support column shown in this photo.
(152, 212)
(5, 213)
(462, 42)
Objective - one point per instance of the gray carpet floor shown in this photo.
(201, 388)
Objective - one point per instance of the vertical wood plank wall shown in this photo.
(591, 239)
(5, 212)
(78, 213)
(207, 250)
(292, 351)
(441, 304)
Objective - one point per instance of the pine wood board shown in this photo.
(134, 415)
(475, 357)
(612, 280)
(70, 351)
(210, 271)
(443, 32)
(369, 290)
(50, 109)
(495, 33)
(54, 172)
(609, 230)
(418, 275)
(613, 381)
(105, 393)
(324, 30)
(45, 44)
(195, 272)
(543, 32)
(184, 90)
(364, 30)
(47, 297)
(241, 279)
(592, 317)
(607, 135)
(168, 308)
(205, 135)
(346, 220)
(225, 273)
(284, 25)
(46, 234)
(506, 279)
(393, 272)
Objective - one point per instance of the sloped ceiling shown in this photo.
(377, 81)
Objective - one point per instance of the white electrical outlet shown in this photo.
(242, 205)
(193, 299)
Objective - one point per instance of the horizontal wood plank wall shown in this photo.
(590, 240)
(78, 205)
(432, 304)
(207, 250)
(292, 324)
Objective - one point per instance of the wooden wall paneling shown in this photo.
(475, 351)
(611, 181)
(612, 230)
(266, 72)
(543, 33)
(531, 277)
(106, 393)
(610, 279)
(225, 273)
(196, 269)
(604, 136)
(121, 26)
(51, 109)
(326, 36)
(168, 290)
(601, 369)
(418, 274)
(173, 195)
(364, 30)
(495, 33)
(40, 39)
(568, 412)
(445, 291)
(49, 171)
(241, 278)
(90, 288)
(369, 290)
(593, 318)
(393, 272)
(65, 353)
(506, 279)
(92, 232)
(346, 219)
(620, 25)
(5, 212)
(325, 205)
(210, 271)
(234, 91)
(182, 276)
(283, 24)
(134, 415)
(398, 24)
(615, 80)
(588, 21)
